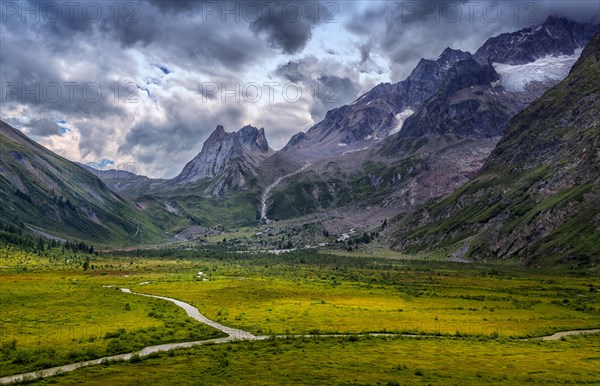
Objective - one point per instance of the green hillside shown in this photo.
(49, 195)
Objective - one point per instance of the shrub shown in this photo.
(135, 358)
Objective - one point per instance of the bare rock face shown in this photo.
(374, 115)
(557, 36)
(382, 111)
(227, 160)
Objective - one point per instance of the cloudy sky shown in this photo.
(145, 82)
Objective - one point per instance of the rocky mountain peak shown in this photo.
(377, 113)
(556, 36)
(429, 69)
(251, 136)
(450, 55)
(559, 22)
(228, 159)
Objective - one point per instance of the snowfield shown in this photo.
(401, 117)
(549, 68)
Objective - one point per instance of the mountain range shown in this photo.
(537, 196)
(465, 145)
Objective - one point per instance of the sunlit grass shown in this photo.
(58, 314)
(397, 361)
(448, 305)
(59, 317)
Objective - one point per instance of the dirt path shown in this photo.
(562, 334)
(233, 335)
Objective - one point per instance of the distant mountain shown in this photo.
(400, 145)
(227, 160)
(44, 193)
(395, 147)
(382, 111)
(557, 36)
(377, 113)
(537, 197)
(220, 186)
(124, 182)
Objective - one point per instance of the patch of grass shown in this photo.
(58, 317)
(336, 361)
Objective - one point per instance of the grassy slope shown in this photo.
(35, 185)
(333, 186)
(238, 208)
(537, 197)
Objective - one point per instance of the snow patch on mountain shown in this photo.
(549, 68)
(400, 118)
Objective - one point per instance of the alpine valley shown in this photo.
(440, 230)
(491, 155)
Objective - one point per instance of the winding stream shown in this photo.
(233, 335)
(193, 313)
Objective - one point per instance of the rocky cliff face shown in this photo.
(227, 160)
(466, 105)
(537, 197)
(436, 129)
(557, 36)
(379, 112)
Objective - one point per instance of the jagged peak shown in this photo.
(452, 53)
(250, 135)
(249, 127)
(447, 58)
(217, 135)
(558, 35)
(555, 19)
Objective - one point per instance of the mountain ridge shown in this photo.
(43, 191)
(536, 197)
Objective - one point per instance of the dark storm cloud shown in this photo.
(176, 6)
(190, 36)
(45, 86)
(288, 25)
(204, 30)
